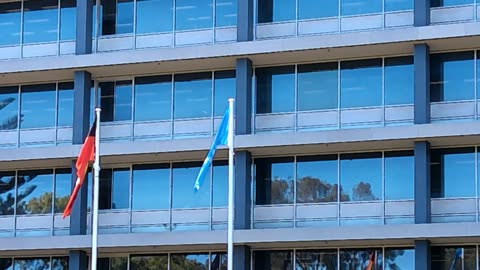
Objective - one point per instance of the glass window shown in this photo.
(151, 187)
(447, 258)
(365, 92)
(68, 19)
(38, 106)
(275, 89)
(113, 263)
(274, 180)
(220, 184)
(193, 14)
(124, 16)
(395, 5)
(8, 107)
(359, 259)
(357, 7)
(452, 76)
(225, 13)
(317, 86)
(399, 80)
(10, 22)
(225, 86)
(453, 172)
(361, 177)
(108, 17)
(219, 261)
(446, 3)
(116, 101)
(309, 9)
(40, 21)
(276, 10)
(60, 263)
(399, 175)
(63, 189)
(154, 16)
(34, 192)
(114, 188)
(31, 263)
(6, 263)
(153, 98)
(478, 74)
(65, 104)
(193, 95)
(189, 261)
(316, 259)
(317, 179)
(7, 193)
(272, 260)
(184, 176)
(396, 258)
(149, 262)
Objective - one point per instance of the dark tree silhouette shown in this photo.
(12, 121)
(7, 192)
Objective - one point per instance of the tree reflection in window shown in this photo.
(274, 181)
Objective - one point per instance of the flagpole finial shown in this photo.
(231, 100)
(98, 109)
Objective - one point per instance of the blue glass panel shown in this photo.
(151, 229)
(318, 223)
(446, 3)
(151, 187)
(274, 181)
(317, 179)
(152, 262)
(452, 76)
(361, 177)
(9, 107)
(40, 21)
(123, 101)
(7, 194)
(108, 18)
(32, 233)
(60, 263)
(113, 263)
(317, 86)
(34, 192)
(356, 7)
(219, 261)
(442, 257)
(184, 176)
(310, 9)
(273, 225)
(10, 25)
(276, 10)
(220, 184)
(193, 95)
(38, 106)
(153, 98)
(273, 260)
(275, 89)
(315, 259)
(120, 188)
(68, 19)
(365, 92)
(154, 16)
(189, 261)
(65, 104)
(396, 5)
(176, 227)
(399, 175)
(225, 85)
(193, 14)
(124, 17)
(225, 13)
(399, 80)
(356, 259)
(6, 263)
(63, 189)
(360, 221)
(31, 263)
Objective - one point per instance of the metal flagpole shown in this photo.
(96, 184)
(231, 182)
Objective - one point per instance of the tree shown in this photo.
(363, 192)
(12, 121)
(7, 186)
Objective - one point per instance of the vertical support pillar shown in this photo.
(422, 182)
(245, 20)
(244, 74)
(421, 10)
(422, 83)
(83, 44)
(422, 255)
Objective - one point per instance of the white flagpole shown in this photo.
(231, 183)
(96, 184)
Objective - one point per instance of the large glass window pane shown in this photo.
(63, 188)
(452, 76)
(399, 175)
(68, 19)
(193, 95)
(220, 184)
(31, 263)
(361, 177)
(395, 5)
(446, 3)
(309, 9)
(6, 263)
(154, 16)
(359, 259)
(273, 260)
(8, 107)
(478, 74)
(364, 92)
(317, 179)
(275, 10)
(448, 258)
(275, 89)
(114, 188)
(34, 192)
(193, 14)
(7, 193)
(123, 101)
(108, 17)
(124, 16)
(316, 259)
(113, 263)
(356, 7)
(184, 176)
(317, 86)
(453, 172)
(149, 262)
(274, 180)
(153, 98)
(60, 263)
(151, 187)
(189, 261)
(399, 80)
(38, 106)
(218, 261)
(10, 18)
(225, 86)
(40, 21)
(65, 104)
(106, 90)
(399, 258)
(225, 13)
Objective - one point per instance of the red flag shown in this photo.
(372, 261)
(87, 154)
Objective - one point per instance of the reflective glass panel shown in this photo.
(113, 263)
(153, 98)
(38, 106)
(193, 14)
(399, 80)
(189, 261)
(153, 262)
(63, 189)
(359, 259)
(273, 260)
(40, 21)
(365, 92)
(317, 179)
(275, 89)
(124, 17)
(35, 190)
(220, 184)
(478, 74)
(399, 258)
(309, 9)
(114, 188)
(452, 76)
(395, 5)
(123, 101)
(225, 86)
(10, 23)
(31, 263)
(9, 107)
(154, 16)
(276, 10)
(448, 258)
(225, 13)
(151, 187)
(6, 264)
(106, 90)
(274, 181)
(193, 95)
(361, 177)
(108, 17)
(184, 176)
(60, 263)
(317, 86)
(446, 3)
(316, 259)
(7, 193)
(399, 175)
(357, 7)
(453, 172)
(219, 261)
(65, 104)
(68, 19)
